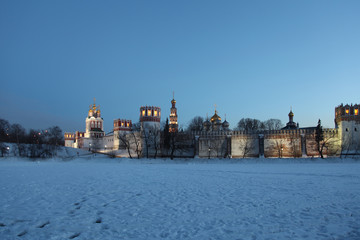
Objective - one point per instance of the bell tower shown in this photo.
(173, 125)
(94, 122)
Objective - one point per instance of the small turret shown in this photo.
(291, 124)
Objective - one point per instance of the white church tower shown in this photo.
(94, 123)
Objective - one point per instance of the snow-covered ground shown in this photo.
(101, 198)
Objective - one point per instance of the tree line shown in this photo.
(34, 143)
(245, 124)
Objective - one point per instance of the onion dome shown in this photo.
(215, 118)
(291, 114)
(207, 123)
(225, 124)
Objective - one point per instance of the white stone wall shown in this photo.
(69, 143)
(108, 142)
(350, 137)
(245, 146)
(213, 146)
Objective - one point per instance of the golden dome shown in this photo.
(291, 114)
(215, 118)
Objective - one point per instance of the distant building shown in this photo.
(216, 140)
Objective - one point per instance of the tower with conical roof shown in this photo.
(173, 124)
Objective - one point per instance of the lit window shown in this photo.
(143, 112)
(122, 124)
(149, 112)
(356, 111)
(347, 111)
(128, 124)
(155, 113)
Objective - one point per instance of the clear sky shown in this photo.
(252, 58)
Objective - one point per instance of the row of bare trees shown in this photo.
(149, 141)
(245, 124)
(32, 143)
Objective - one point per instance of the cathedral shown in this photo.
(216, 140)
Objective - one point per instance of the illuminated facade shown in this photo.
(216, 139)
(150, 117)
(94, 123)
(173, 124)
(347, 120)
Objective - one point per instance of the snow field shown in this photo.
(112, 200)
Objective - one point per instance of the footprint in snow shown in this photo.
(22, 233)
(74, 236)
(43, 225)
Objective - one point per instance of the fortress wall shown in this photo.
(245, 145)
(283, 144)
(350, 135)
(213, 147)
(332, 146)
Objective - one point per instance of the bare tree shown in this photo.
(250, 125)
(153, 135)
(273, 124)
(195, 124)
(18, 136)
(4, 149)
(179, 142)
(294, 145)
(135, 138)
(218, 147)
(246, 145)
(4, 130)
(95, 144)
(279, 146)
(145, 136)
(125, 142)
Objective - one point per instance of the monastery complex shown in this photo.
(216, 140)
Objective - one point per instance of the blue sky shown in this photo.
(252, 58)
